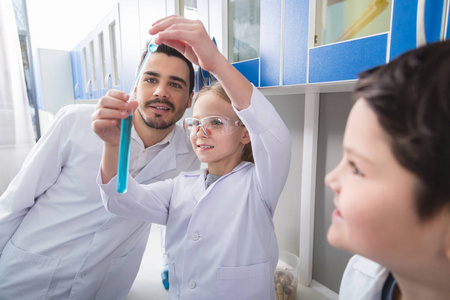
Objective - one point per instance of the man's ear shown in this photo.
(246, 137)
(190, 100)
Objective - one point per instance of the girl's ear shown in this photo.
(246, 137)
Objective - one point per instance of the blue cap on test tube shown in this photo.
(125, 131)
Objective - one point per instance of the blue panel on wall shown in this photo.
(343, 61)
(433, 19)
(403, 34)
(250, 69)
(270, 19)
(295, 41)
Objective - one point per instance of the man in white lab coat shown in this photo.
(56, 239)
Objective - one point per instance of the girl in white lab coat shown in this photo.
(392, 191)
(220, 238)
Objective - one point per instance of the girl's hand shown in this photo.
(190, 38)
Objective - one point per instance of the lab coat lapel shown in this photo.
(198, 190)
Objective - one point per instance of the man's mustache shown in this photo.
(158, 100)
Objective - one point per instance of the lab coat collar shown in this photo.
(166, 160)
(198, 189)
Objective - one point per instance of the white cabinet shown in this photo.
(96, 60)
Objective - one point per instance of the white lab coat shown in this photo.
(362, 279)
(220, 242)
(57, 241)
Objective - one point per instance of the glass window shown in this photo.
(340, 20)
(85, 70)
(190, 9)
(114, 59)
(243, 29)
(20, 13)
(93, 71)
(102, 61)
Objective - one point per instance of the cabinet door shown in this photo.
(416, 22)
(86, 92)
(88, 67)
(350, 36)
(295, 41)
(77, 73)
(270, 42)
(92, 47)
(243, 43)
(235, 26)
(107, 38)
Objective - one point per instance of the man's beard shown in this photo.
(157, 122)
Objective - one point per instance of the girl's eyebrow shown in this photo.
(172, 77)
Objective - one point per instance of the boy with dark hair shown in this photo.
(392, 187)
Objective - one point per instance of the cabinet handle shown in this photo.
(108, 81)
(421, 38)
(77, 90)
(89, 88)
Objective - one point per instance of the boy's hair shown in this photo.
(216, 88)
(411, 98)
(169, 51)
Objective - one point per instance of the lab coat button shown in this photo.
(195, 236)
(192, 284)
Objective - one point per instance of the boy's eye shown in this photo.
(355, 169)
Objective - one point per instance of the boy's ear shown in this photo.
(246, 137)
(447, 244)
(447, 236)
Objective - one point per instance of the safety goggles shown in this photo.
(213, 125)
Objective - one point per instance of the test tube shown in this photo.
(125, 131)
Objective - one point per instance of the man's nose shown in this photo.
(161, 92)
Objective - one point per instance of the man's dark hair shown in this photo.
(169, 51)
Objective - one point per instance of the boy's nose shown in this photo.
(331, 180)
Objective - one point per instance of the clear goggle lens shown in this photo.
(213, 125)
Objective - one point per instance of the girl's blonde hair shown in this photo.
(216, 88)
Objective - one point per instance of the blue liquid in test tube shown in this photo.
(125, 132)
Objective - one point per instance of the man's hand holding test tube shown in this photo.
(125, 131)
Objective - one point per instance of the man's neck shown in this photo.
(150, 136)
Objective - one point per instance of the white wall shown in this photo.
(61, 24)
(287, 214)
